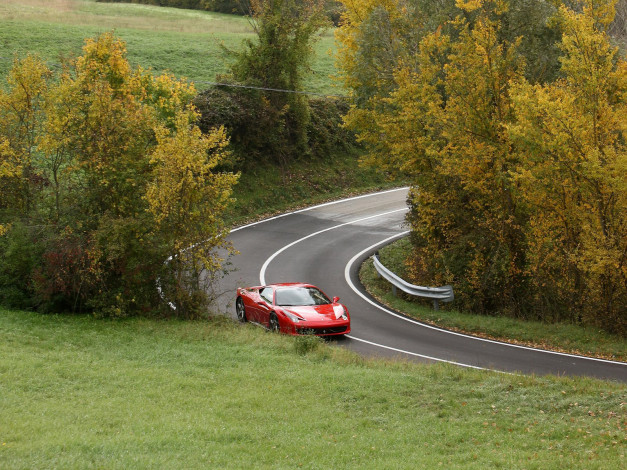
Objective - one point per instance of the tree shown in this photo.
(441, 120)
(21, 117)
(278, 59)
(573, 135)
(111, 142)
(20, 120)
(467, 220)
(519, 186)
(186, 199)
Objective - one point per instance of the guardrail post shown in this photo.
(436, 304)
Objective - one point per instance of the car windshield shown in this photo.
(293, 296)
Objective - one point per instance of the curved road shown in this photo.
(325, 244)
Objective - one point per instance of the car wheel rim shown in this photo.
(274, 324)
(241, 314)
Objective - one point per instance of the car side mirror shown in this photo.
(336, 300)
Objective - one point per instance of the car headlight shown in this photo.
(345, 314)
(293, 317)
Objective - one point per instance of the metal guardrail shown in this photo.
(437, 294)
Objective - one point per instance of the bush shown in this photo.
(260, 133)
(325, 131)
(115, 179)
(20, 248)
(247, 118)
(306, 344)
(333, 8)
(222, 6)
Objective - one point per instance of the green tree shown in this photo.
(111, 141)
(278, 59)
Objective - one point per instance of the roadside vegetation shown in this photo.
(108, 188)
(267, 190)
(563, 337)
(509, 119)
(106, 178)
(332, 8)
(81, 392)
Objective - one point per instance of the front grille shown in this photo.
(330, 330)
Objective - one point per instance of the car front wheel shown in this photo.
(274, 323)
(241, 310)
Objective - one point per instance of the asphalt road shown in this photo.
(324, 245)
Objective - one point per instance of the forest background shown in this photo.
(510, 117)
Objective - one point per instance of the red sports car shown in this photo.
(293, 308)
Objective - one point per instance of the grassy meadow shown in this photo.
(76, 392)
(186, 43)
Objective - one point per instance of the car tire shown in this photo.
(240, 309)
(274, 323)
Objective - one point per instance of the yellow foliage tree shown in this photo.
(20, 120)
(126, 180)
(519, 187)
(186, 198)
(443, 124)
(575, 172)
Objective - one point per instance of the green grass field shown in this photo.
(76, 392)
(183, 42)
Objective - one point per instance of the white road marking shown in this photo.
(425, 325)
(421, 355)
(352, 286)
(262, 273)
(354, 198)
(262, 280)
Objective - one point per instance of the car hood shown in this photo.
(318, 312)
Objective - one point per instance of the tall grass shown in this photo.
(82, 393)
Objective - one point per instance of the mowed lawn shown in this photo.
(77, 392)
(187, 43)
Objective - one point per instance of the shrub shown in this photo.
(257, 131)
(118, 178)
